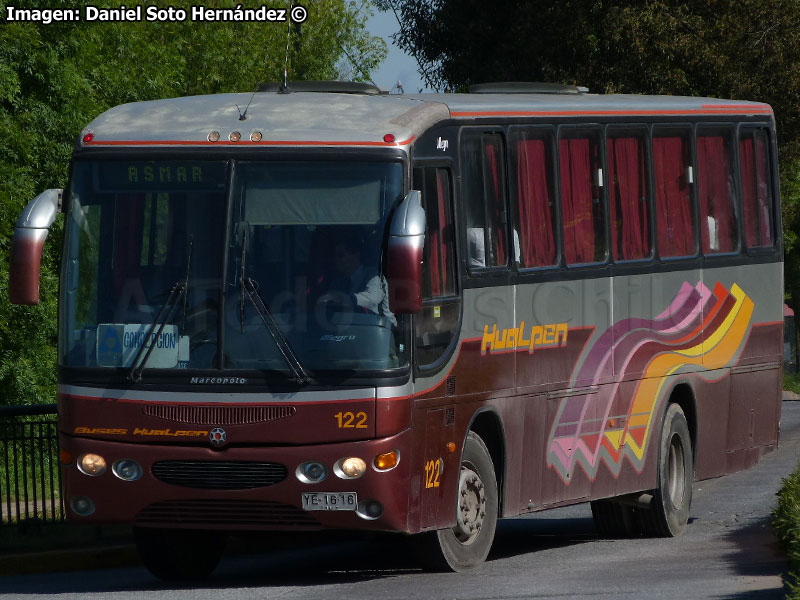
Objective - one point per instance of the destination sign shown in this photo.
(161, 175)
(117, 345)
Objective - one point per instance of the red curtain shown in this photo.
(628, 204)
(715, 186)
(576, 200)
(673, 201)
(496, 202)
(534, 203)
(755, 191)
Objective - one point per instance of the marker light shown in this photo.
(64, 456)
(389, 138)
(81, 505)
(92, 464)
(386, 461)
(350, 468)
(235, 136)
(311, 472)
(213, 136)
(88, 138)
(255, 136)
(127, 469)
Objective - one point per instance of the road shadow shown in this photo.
(526, 535)
(757, 554)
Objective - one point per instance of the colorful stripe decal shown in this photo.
(699, 330)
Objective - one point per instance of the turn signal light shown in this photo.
(386, 461)
(64, 456)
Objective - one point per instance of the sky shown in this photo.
(398, 65)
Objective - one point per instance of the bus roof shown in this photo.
(337, 119)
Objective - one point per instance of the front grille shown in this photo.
(218, 475)
(218, 415)
(245, 513)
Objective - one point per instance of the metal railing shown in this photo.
(30, 477)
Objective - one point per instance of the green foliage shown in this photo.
(786, 521)
(56, 78)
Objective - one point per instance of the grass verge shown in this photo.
(786, 521)
(791, 382)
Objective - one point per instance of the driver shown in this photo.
(362, 285)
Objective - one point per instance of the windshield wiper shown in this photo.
(166, 313)
(284, 347)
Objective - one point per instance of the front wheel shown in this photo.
(179, 554)
(466, 544)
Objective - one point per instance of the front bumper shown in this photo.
(151, 502)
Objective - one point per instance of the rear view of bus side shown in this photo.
(567, 297)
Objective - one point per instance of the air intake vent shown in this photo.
(227, 513)
(217, 475)
(218, 415)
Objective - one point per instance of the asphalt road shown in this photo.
(728, 551)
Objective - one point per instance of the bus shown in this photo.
(322, 307)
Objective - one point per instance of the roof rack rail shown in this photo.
(526, 87)
(339, 87)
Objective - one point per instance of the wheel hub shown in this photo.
(471, 506)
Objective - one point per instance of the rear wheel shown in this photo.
(615, 520)
(467, 544)
(669, 510)
(179, 554)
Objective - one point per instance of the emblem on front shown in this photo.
(217, 437)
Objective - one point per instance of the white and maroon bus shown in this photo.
(340, 309)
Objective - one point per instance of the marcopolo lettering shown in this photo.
(219, 380)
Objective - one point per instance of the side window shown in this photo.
(757, 194)
(438, 322)
(532, 197)
(628, 194)
(673, 177)
(484, 199)
(581, 200)
(716, 190)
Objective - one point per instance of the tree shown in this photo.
(738, 49)
(56, 78)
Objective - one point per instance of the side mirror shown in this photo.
(404, 255)
(27, 246)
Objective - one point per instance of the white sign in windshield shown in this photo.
(118, 343)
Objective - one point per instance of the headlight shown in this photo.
(127, 469)
(311, 472)
(92, 464)
(350, 468)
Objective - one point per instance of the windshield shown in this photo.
(145, 248)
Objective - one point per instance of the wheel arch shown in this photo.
(488, 425)
(683, 395)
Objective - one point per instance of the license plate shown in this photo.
(330, 501)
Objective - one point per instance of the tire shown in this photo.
(179, 554)
(615, 520)
(467, 544)
(669, 511)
